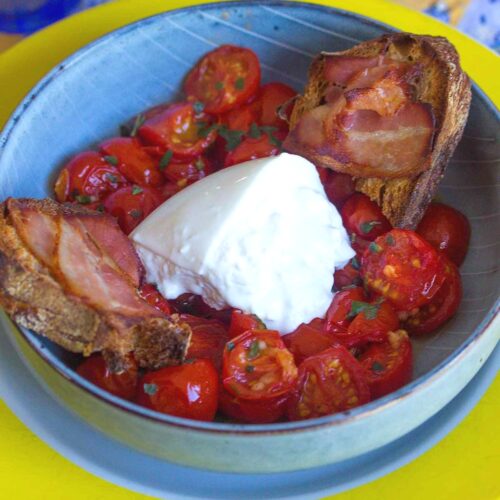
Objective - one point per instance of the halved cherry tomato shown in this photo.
(252, 411)
(338, 187)
(270, 97)
(329, 382)
(338, 316)
(188, 172)
(87, 178)
(189, 390)
(388, 365)
(441, 308)
(362, 217)
(251, 149)
(242, 322)
(403, 268)
(224, 78)
(257, 365)
(308, 339)
(242, 117)
(178, 130)
(208, 339)
(131, 204)
(348, 276)
(152, 296)
(122, 384)
(447, 230)
(169, 189)
(132, 161)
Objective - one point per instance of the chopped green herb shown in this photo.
(239, 84)
(112, 160)
(389, 239)
(377, 367)
(254, 131)
(198, 107)
(189, 361)
(230, 346)
(111, 178)
(219, 85)
(366, 227)
(253, 350)
(150, 389)
(100, 208)
(249, 368)
(374, 248)
(199, 164)
(136, 214)
(232, 137)
(83, 199)
(165, 160)
(204, 129)
(138, 123)
(269, 131)
(370, 310)
(261, 324)
(136, 190)
(124, 131)
(355, 263)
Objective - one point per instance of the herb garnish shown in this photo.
(165, 160)
(254, 350)
(136, 190)
(112, 160)
(389, 239)
(355, 263)
(83, 199)
(136, 214)
(138, 122)
(370, 310)
(150, 389)
(367, 226)
(377, 367)
(232, 137)
(198, 107)
(111, 178)
(374, 248)
(239, 84)
(230, 346)
(219, 85)
(249, 368)
(199, 164)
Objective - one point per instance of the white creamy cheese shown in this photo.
(260, 236)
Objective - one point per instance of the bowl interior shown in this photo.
(86, 98)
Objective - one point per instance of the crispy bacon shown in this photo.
(340, 69)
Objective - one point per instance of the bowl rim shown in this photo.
(342, 418)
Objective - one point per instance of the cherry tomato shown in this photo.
(189, 303)
(87, 178)
(168, 190)
(251, 149)
(348, 276)
(252, 411)
(152, 296)
(337, 316)
(122, 384)
(242, 322)
(179, 131)
(187, 173)
(447, 230)
(362, 217)
(131, 204)
(242, 117)
(270, 97)
(224, 78)
(388, 365)
(338, 187)
(441, 308)
(257, 365)
(329, 382)
(208, 339)
(403, 268)
(189, 390)
(132, 161)
(308, 339)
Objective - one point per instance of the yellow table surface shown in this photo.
(464, 465)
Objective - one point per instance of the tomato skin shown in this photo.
(189, 390)
(129, 208)
(153, 297)
(87, 176)
(177, 129)
(329, 382)
(441, 308)
(308, 339)
(123, 384)
(168, 190)
(447, 230)
(388, 365)
(242, 117)
(338, 187)
(133, 161)
(257, 365)
(189, 303)
(250, 411)
(337, 314)
(242, 322)
(224, 78)
(188, 172)
(270, 97)
(403, 268)
(348, 276)
(208, 339)
(363, 217)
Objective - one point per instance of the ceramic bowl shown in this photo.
(84, 100)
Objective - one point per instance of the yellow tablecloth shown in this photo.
(464, 465)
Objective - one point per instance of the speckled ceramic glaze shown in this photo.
(83, 101)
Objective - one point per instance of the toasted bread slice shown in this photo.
(442, 84)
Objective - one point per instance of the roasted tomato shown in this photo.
(208, 339)
(242, 117)
(257, 365)
(252, 411)
(308, 339)
(338, 316)
(338, 187)
(329, 382)
(132, 161)
(363, 217)
(188, 391)
(189, 303)
(447, 230)
(348, 276)
(169, 189)
(122, 384)
(87, 178)
(151, 295)
(179, 131)
(224, 78)
(267, 144)
(188, 172)
(441, 308)
(131, 204)
(242, 322)
(403, 268)
(388, 365)
(270, 97)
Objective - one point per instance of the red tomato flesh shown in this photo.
(337, 314)
(153, 297)
(270, 97)
(338, 187)
(348, 276)
(188, 172)
(242, 322)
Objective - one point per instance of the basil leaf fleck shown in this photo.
(83, 199)
(389, 239)
(219, 85)
(150, 389)
(249, 368)
(370, 310)
(254, 350)
(112, 160)
(199, 164)
(136, 190)
(165, 160)
(254, 131)
(138, 123)
(374, 247)
(367, 226)
(230, 346)
(239, 84)
(136, 214)
(198, 107)
(111, 178)
(377, 367)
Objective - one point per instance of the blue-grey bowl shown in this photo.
(84, 100)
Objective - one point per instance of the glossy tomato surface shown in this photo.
(152, 296)
(242, 322)
(338, 315)
(338, 187)
(189, 171)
